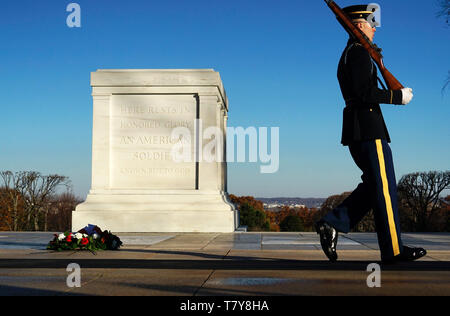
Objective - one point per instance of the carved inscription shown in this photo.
(141, 141)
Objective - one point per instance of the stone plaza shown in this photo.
(217, 264)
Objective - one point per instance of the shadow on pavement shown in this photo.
(7, 290)
(205, 291)
(235, 264)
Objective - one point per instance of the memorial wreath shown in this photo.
(90, 238)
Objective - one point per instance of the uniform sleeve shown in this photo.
(360, 67)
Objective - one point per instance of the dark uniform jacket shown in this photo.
(357, 76)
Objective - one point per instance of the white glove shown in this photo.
(407, 95)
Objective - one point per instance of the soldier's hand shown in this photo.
(407, 95)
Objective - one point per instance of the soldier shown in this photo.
(365, 133)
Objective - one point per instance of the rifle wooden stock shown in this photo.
(375, 52)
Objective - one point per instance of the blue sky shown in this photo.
(277, 60)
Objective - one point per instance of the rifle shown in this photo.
(373, 49)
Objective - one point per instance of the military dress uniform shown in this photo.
(364, 132)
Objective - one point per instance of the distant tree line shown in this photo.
(30, 201)
(253, 215)
(421, 208)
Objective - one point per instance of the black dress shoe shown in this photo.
(408, 254)
(328, 239)
(411, 254)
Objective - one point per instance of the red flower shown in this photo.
(69, 238)
(84, 241)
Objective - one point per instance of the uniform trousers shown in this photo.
(378, 191)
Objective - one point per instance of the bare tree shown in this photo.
(12, 196)
(444, 10)
(33, 191)
(60, 214)
(421, 191)
(37, 191)
(447, 83)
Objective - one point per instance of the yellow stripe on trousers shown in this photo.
(387, 198)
